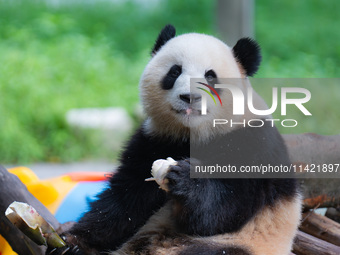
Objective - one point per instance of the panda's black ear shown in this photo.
(248, 54)
(165, 35)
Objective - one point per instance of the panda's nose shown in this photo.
(190, 97)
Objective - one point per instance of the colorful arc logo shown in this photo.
(212, 89)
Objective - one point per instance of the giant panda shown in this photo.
(178, 214)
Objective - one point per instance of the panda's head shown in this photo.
(172, 107)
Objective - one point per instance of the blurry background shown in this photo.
(59, 55)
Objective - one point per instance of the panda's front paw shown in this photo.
(178, 177)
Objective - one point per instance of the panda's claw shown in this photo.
(67, 250)
(59, 251)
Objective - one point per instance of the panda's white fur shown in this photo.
(201, 217)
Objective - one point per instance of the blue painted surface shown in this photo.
(76, 203)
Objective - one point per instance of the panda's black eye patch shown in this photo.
(210, 76)
(212, 79)
(170, 78)
(175, 71)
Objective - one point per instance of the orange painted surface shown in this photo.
(88, 176)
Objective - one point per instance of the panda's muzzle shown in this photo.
(190, 98)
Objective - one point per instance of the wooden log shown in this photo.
(321, 227)
(306, 244)
(12, 189)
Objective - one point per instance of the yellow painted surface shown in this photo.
(62, 186)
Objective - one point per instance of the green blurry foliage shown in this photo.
(74, 55)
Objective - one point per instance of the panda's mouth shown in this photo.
(187, 111)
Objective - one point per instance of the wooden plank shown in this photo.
(306, 244)
(321, 227)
